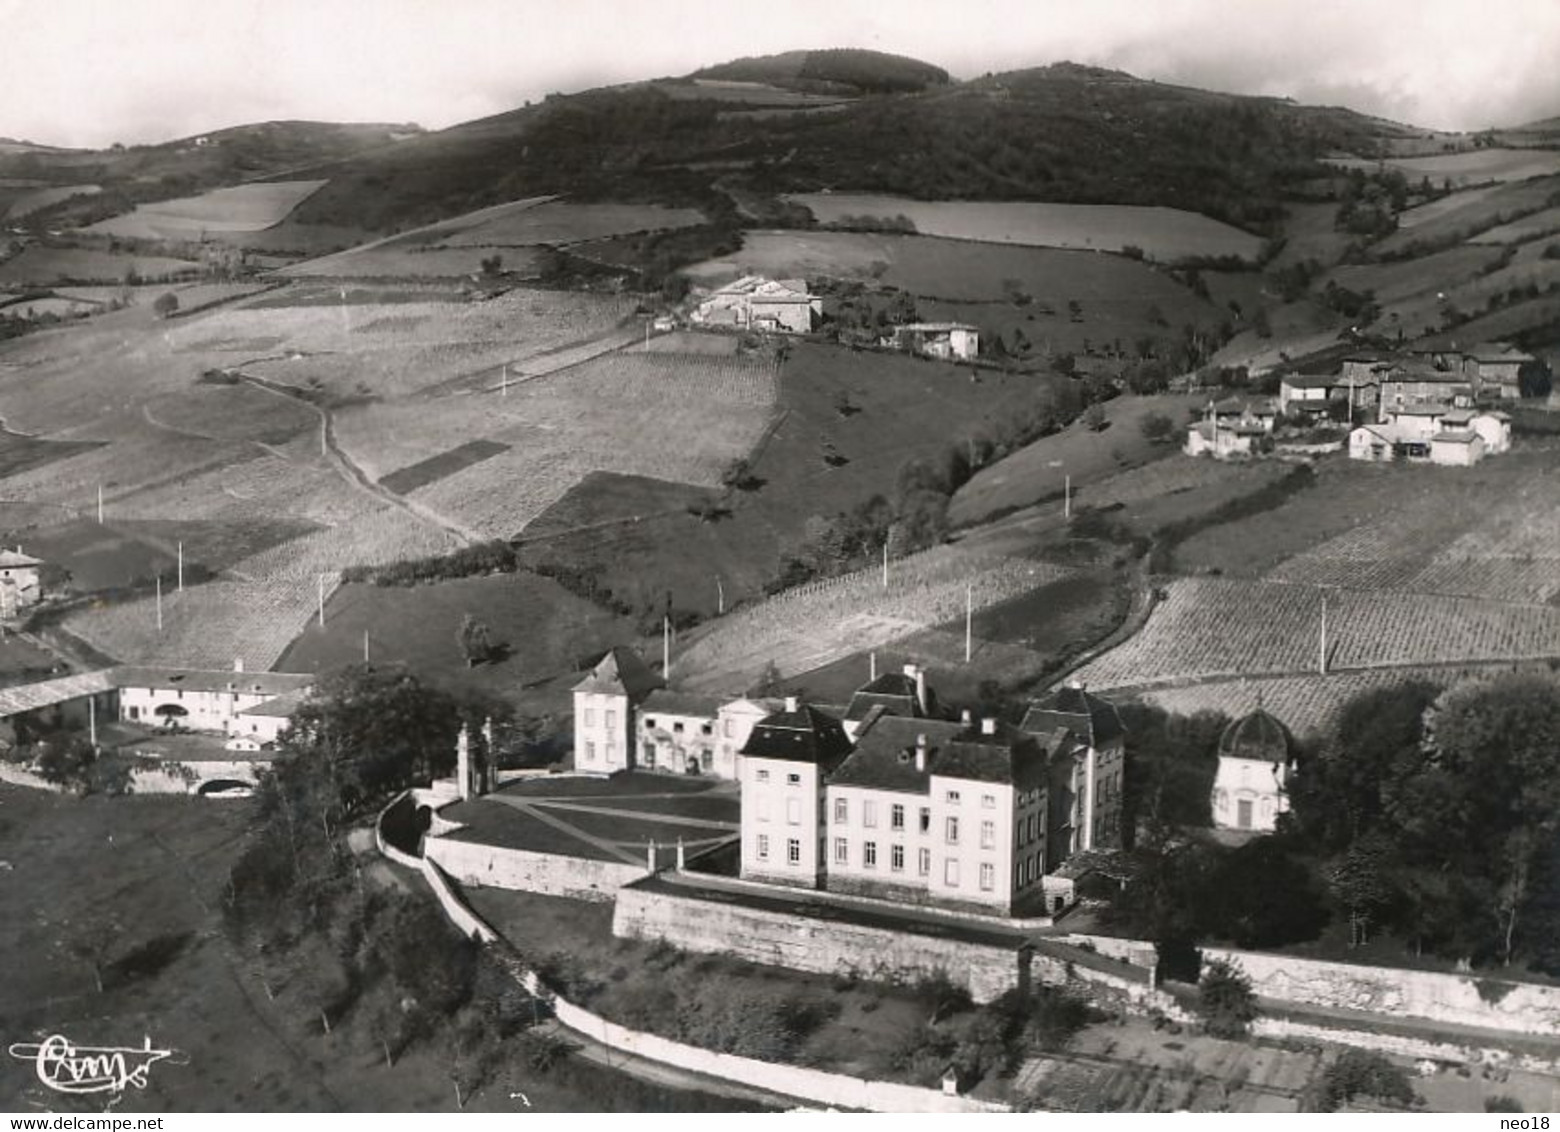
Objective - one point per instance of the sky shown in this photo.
(94, 72)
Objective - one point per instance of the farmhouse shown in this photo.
(1407, 384)
(1496, 369)
(1231, 429)
(215, 701)
(756, 303)
(1441, 435)
(950, 341)
(20, 586)
(1254, 767)
(1320, 394)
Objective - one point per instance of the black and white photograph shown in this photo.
(837, 557)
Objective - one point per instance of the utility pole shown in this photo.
(365, 646)
(1067, 496)
(92, 719)
(969, 620)
(720, 596)
(100, 505)
(1322, 667)
(504, 382)
(321, 581)
(871, 667)
(159, 602)
(181, 567)
(885, 564)
(666, 648)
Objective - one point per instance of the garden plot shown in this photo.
(1209, 627)
(821, 622)
(1162, 233)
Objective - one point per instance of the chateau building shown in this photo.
(1254, 766)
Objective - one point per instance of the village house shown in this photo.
(1088, 776)
(1318, 395)
(208, 700)
(1435, 433)
(1232, 429)
(20, 584)
(782, 769)
(1249, 789)
(677, 732)
(605, 703)
(756, 303)
(1496, 369)
(1406, 385)
(950, 341)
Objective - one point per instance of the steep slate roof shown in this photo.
(805, 735)
(621, 672)
(884, 758)
(667, 702)
(893, 691)
(1006, 756)
(1092, 719)
(1256, 736)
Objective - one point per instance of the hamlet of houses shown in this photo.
(1440, 406)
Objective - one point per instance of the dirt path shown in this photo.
(348, 468)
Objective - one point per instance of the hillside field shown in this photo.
(43, 266)
(239, 209)
(1162, 233)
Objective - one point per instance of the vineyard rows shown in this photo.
(820, 622)
(1208, 627)
(1306, 704)
(1453, 543)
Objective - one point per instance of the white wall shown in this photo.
(1248, 780)
(579, 878)
(776, 811)
(603, 730)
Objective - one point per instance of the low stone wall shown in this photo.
(387, 850)
(188, 777)
(1403, 1045)
(18, 776)
(578, 878)
(834, 1089)
(1140, 952)
(826, 946)
(1522, 1008)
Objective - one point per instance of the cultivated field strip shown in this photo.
(1306, 704)
(1208, 627)
(824, 621)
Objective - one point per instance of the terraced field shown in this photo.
(241, 208)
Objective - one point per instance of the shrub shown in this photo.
(495, 557)
(1358, 1072)
(1225, 1002)
(1502, 1103)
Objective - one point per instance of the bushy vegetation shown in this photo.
(1225, 1002)
(867, 72)
(493, 557)
(1363, 1073)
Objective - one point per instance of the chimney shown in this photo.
(918, 674)
(920, 753)
(988, 726)
(791, 704)
(238, 664)
(964, 717)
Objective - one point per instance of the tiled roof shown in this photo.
(17, 558)
(664, 701)
(46, 693)
(280, 707)
(805, 735)
(1093, 719)
(935, 327)
(621, 672)
(211, 680)
(1454, 436)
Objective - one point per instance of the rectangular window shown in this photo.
(763, 846)
(841, 851)
(706, 729)
(793, 811)
(793, 851)
(923, 862)
(869, 814)
(869, 855)
(951, 872)
(988, 877)
(590, 717)
(841, 811)
(649, 724)
(611, 720)
(988, 801)
(988, 835)
(794, 779)
(951, 831)
(763, 807)
(1030, 829)
(762, 776)
(726, 728)
(896, 858)
(926, 820)
(590, 752)
(952, 798)
(677, 728)
(896, 817)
